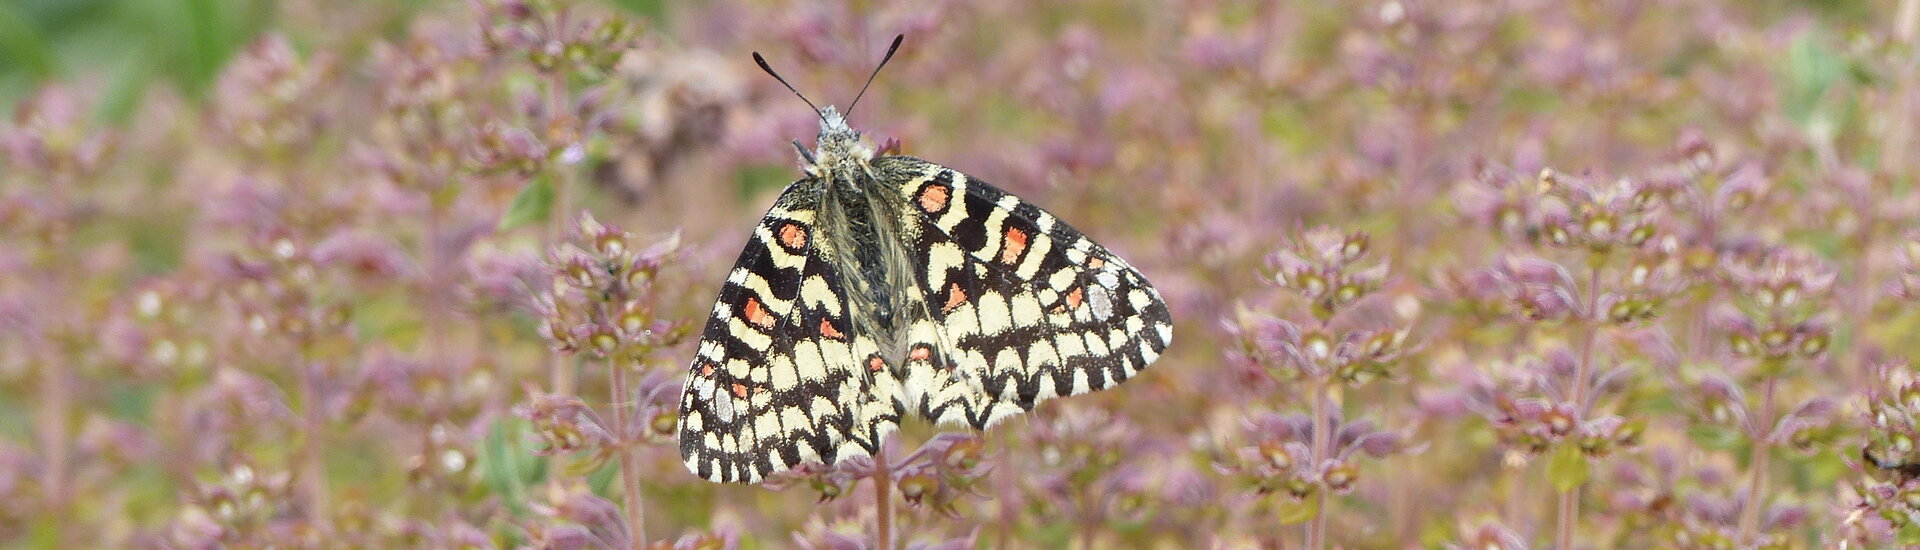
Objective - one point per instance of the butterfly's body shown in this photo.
(859, 225)
(880, 287)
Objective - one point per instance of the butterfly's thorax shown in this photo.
(861, 226)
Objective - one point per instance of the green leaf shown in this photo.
(534, 204)
(752, 180)
(601, 479)
(1568, 468)
(122, 98)
(1909, 534)
(1298, 511)
(589, 464)
(651, 9)
(1810, 71)
(1051, 535)
(45, 533)
(500, 464)
(22, 46)
(1718, 438)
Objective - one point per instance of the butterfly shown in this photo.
(879, 287)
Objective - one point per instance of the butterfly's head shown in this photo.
(840, 148)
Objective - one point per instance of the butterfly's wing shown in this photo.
(1020, 306)
(780, 378)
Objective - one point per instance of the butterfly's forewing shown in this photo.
(1022, 307)
(776, 380)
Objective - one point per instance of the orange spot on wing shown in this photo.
(793, 236)
(827, 330)
(955, 297)
(934, 198)
(757, 314)
(739, 390)
(920, 353)
(706, 370)
(876, 364)
(1096, 263)
(1016, 243)
(1073, 298)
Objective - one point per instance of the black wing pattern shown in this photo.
(1021, 307)
(1014, 307)
(775, 382)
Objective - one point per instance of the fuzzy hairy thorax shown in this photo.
(862, 223)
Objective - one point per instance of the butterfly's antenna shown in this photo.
(783, 82)
(876, 71)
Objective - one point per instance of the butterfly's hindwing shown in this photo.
(774, 382)
(1021, 306)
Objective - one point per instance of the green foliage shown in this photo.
(22, 46)
(649, 9)
(183, 42)
(534, 204)
(507, 465)
(1568, 468)
(1809, 70)
(1716, 437)
(1295, 511)
(755, 180)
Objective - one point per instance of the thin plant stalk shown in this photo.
(1519, 494)
(882, 499)
(1907, 22)
(313, 470)
(56, 406)
(1569, 513)
(629, 470)
(562, 368)
(1317, 528)
(1569, 506)
(1757, 466)
(56, 380)
(438, 305)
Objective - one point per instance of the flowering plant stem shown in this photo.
(556, 225)
(56, 391)
(1317, 529)
(1569, 513)
(1569, 509)
(56, 387)
(312, 461)
(1757, 465)
(629, 471)
(882, 491)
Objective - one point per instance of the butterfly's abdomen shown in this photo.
(865, 232)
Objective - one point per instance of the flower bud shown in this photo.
(1300, 487)
(1813, 345)
(1558, 422)
(827, 489)
(915, 487)
(603, 338)
(665, 423)
(1340, 476)
(963, 454)
(1354, 247)
(1276, 455)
